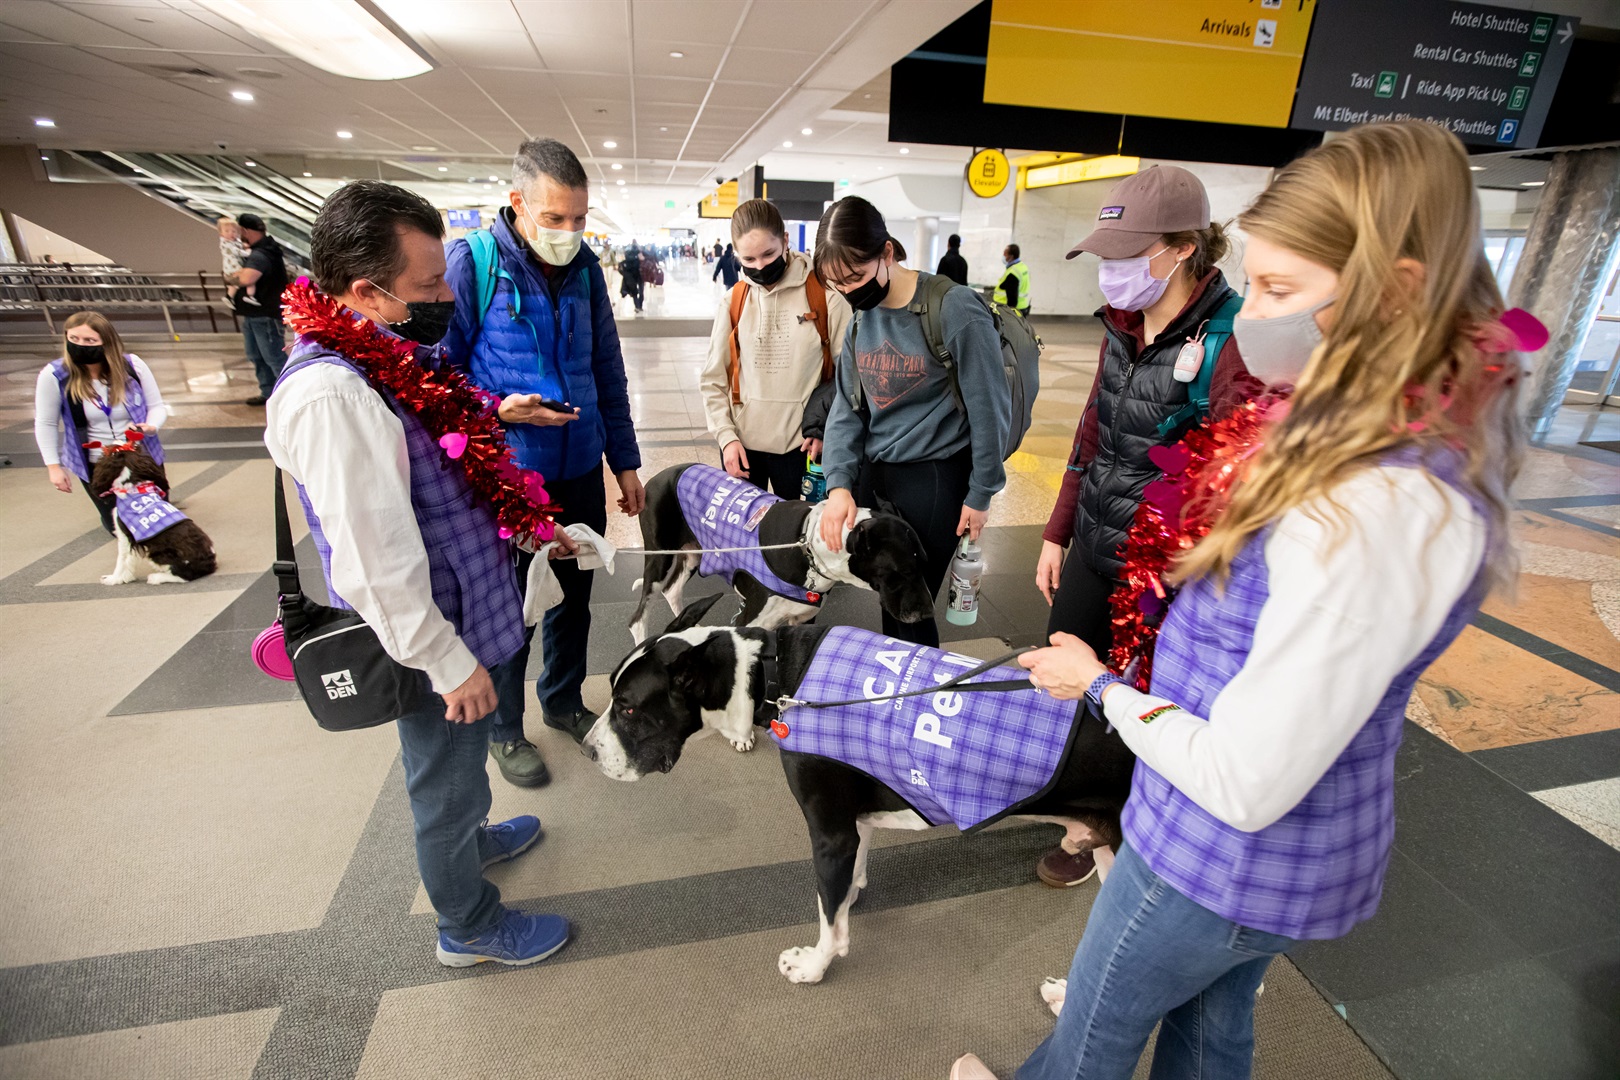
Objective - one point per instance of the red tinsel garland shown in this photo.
(1176, 512)
(454, 411)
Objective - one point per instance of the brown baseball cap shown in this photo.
(1144, 206)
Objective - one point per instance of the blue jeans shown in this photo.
(1149, 953)
(446, 777)
(266, 341)
(565, 631)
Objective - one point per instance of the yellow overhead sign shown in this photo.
(988, 173)
(1222, 61)
(721, 202)
(1074, 172)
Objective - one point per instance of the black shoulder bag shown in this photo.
(345, 676)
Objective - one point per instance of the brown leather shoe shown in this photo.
(1061, 870)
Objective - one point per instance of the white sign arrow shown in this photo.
(1566, 32)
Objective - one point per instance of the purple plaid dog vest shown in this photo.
(958, 759)
(724, 511)
(145, 513)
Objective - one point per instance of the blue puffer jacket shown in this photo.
(567, 349)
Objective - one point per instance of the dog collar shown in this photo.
(770, 683)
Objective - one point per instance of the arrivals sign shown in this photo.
(1487, 74)
(1221, 61)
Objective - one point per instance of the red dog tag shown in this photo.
(813, 597)
(779, 729)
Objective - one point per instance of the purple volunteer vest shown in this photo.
(958, 759)
(1319, 870)
(145, 513)
(724, 511)
(69, 449)
(469, 565)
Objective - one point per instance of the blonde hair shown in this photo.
(1428, 371)
(119, 373)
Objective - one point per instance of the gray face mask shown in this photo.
(1276, 350)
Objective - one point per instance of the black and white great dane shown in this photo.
(691, 679)
(881, 553)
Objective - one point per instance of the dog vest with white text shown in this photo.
(144, 511)
(724, 511)
(962, 759)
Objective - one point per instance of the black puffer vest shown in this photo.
(1136, 395)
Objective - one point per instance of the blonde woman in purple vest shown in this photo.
(93, 394)
(1361, 540)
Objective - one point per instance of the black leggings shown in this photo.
(928, 496)
(783, 473)
(1080, 606)
(104, 506)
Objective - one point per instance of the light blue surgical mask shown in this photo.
(1276, 350)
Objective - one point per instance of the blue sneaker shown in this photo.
(516, 941)
(512, 838)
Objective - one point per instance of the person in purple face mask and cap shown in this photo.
(1169, 362)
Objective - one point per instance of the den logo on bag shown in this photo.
(339, 684)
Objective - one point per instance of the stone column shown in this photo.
(1569, 256)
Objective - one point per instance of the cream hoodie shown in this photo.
(780, 366)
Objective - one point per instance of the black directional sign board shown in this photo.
(1486, 73)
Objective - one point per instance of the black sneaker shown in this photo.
(573, 724)
(256, 399)
(520, 763)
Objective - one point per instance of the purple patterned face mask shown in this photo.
(1129, 284)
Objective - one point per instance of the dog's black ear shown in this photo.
(705, 673)
(885, 506)
(855, 540)
(692, 614)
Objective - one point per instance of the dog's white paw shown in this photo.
(164, 578)
(742, 746)
(1052, 992)
(803, 964)
(115, 579)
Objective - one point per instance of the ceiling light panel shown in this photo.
(352, 38)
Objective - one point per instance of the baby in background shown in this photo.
(231, 253)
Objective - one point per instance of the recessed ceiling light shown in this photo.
(1476, 168)
(905, 150)
(494, 179)
(424, 149)
(443, 168)
(787, 143)
(242, 95)
(609, 144)
(1532, 183)
(676, 53)
(44, 157)
(309, 174)
(619, 182)
(617, 166)
(345, 134)
(251, 164)
(663, 129)
(42, 122)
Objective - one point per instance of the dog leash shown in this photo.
(959, 683)
(689, 551)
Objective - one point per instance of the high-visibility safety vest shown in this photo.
(1021, 272)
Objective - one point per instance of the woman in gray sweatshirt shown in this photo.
(896, 435)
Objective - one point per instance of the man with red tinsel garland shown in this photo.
(364, 418)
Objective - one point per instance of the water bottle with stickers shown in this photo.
(967, 567)
(814, 485)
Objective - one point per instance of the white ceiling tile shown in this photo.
(572, 18)
(570, 53)
(59, 22)
(685, 91)
(696, 61)
(789, 24)
(692, 21)
(778, 67)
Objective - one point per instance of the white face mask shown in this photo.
(555, 246)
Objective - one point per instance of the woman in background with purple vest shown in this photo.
(93, 394)
(1359, 543)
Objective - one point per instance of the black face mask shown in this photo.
(867, 295)
(84, 355)
(429, 321)
(769, 274)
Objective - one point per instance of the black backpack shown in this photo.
(1020, 354)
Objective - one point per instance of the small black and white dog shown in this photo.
(694, 678)
(155, 541)
(881, 553)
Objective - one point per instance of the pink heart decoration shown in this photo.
(504, 533)
(1531, 332)
(1149, 604)
(1165, 497)
(1170, 459)
(454, 443)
